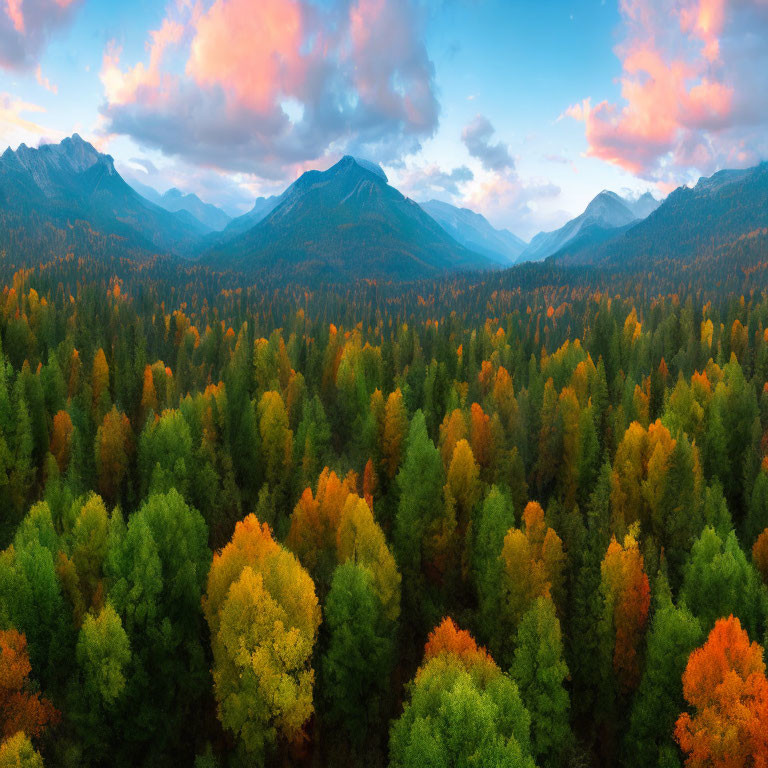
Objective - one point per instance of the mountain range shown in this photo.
(348, 222)
(692, 222)
(63, 184)
(174, 200)
(606, 213)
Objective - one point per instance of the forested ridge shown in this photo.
(517, 519)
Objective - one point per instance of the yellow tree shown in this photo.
(149, 401)
(276, 438)
(480, 435)
(18, 752)
(569, 410)
(627, 598)
(360, 539)
(533, 561)
(395, 430)
(100, 382)
(61, 439)
(315, 522)
(462, 487)
(453, 429)
(263, 615)
(114, 446)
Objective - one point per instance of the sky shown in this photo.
(522, 111)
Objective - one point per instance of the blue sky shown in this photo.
(522, 111)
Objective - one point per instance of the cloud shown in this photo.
(512, 202)
(477, 139)
(422, 183)
(15, 123)
(25, 27)
(693, 86)
(144, 163)
(44, 82)
(497, 191)
(266, 87)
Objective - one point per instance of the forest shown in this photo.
(517, 520)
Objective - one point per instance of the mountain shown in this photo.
(174, 200)
(644, 206)
(346, 223)
(692, 223)
(265, 205)
(475, 232)
(605, 212)
(63, 185)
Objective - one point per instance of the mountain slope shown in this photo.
(61, 184)
(606, 211)
(346, 222)
(261, 208)
(605, 216)
(475, 232)
(690, 224)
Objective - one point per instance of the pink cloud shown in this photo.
(268, 87)
(44, 82)
(14, 125)
(15, 14)
(124, 86)
(26, 26)
(688, 91)
(224, 51)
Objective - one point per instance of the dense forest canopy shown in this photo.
(513, 519)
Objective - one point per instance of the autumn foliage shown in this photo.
(263, 614)
(533, 561)
(447, 638)
(760, 554)
(725, 685)
(21, 709)
(627, 599)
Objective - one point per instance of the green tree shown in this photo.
(673, 635)
(495, 518)
(422, 534)
(718, 581)
(540, 671)
(103, 654)
(357, 663)
(156, 574)
(165, 454)
(461, 710)
(31, 601)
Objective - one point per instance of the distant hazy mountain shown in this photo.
(605, 212)
(61, 184)
(644, 206)
(691, 223)
(475, 232)
(346, 222)
(175, 200)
